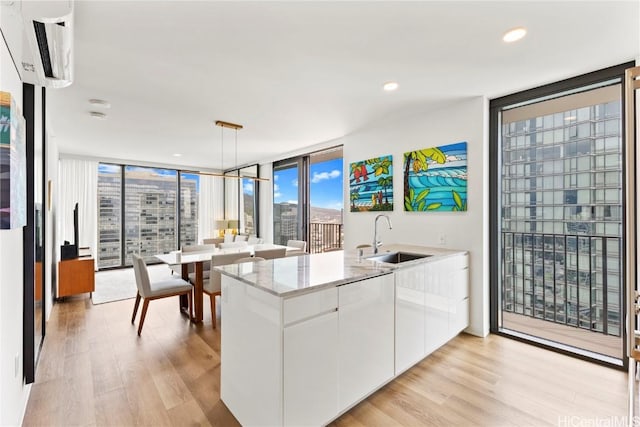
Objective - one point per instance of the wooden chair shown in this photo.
(301, 246)
(271, 253)
(213, 286)
(206, 266)
(161, 289)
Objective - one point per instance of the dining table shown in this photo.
(197, 259)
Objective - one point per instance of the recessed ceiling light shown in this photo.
(97, 115)
(177, 155)
(390, 86)
(514, 34)
(99, 103)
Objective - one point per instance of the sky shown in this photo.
(325, 185)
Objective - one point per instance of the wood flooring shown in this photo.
(95, 370)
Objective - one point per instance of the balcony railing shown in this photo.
(568, 279)
(325, 237)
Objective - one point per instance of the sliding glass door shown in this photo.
(287, 194)
(308, 200)
(559, 249)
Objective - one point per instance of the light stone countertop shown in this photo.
(296, 275)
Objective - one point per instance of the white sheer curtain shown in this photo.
(78, 184)
(231, 191)
(210, 205)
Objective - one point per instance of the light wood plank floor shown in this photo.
(94, 370)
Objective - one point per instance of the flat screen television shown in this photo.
(76, 240)
(70, 251)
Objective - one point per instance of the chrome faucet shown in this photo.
(377, 243)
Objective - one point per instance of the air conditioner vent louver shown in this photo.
(43, 48)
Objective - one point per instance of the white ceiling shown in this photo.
(296, 74)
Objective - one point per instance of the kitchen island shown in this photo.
(306, 338)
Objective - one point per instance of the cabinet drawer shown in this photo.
(310, 305)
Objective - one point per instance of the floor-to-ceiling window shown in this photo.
(140, 210)
(189, 188)
(308, 200)
(558, 248)
(109, 215)
(241, 199)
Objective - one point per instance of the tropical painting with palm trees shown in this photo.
(371, 185)
(435, 179)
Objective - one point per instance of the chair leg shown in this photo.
(145, 305)
(135, 307)
(190, 297)
(213, 310)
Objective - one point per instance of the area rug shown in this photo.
(116, 285)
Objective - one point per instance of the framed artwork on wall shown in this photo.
(13, 164)
(435, 179)
(371, 185)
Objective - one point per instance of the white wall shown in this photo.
(460, 121)
(266, 202)
(13, 392)
(51, 248)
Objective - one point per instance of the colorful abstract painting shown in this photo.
(371, 185)
(13, 170)
(435, 179)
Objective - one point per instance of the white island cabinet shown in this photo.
(365, 313)
(310, 364)
(306, 338)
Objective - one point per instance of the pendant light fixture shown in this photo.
(235, 127)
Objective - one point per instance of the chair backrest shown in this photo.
(215, 278)
(248, 259)
(231, 245)
(254, 240)
(213, 240)
(199, 248)
(142, 276)
(300, 244)
(224, 259)
(241, 238)
(228, 238)
(271, 253)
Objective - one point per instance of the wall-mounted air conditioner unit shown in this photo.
(47, 55)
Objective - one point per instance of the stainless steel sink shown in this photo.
(396, 257)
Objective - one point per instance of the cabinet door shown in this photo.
(311, 371)
(436, 320)
(365, 325)
(410, 312)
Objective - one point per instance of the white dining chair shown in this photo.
(249, 259)
(233, 245)
(206, 266)
(300, 245)
(271, 253)
(253, 240)
(228, 237)
(161, 289)
(213, 286)
(241, 238)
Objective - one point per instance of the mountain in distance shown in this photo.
(326, 215)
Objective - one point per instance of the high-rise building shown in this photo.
(150, 214)
(562, 217)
